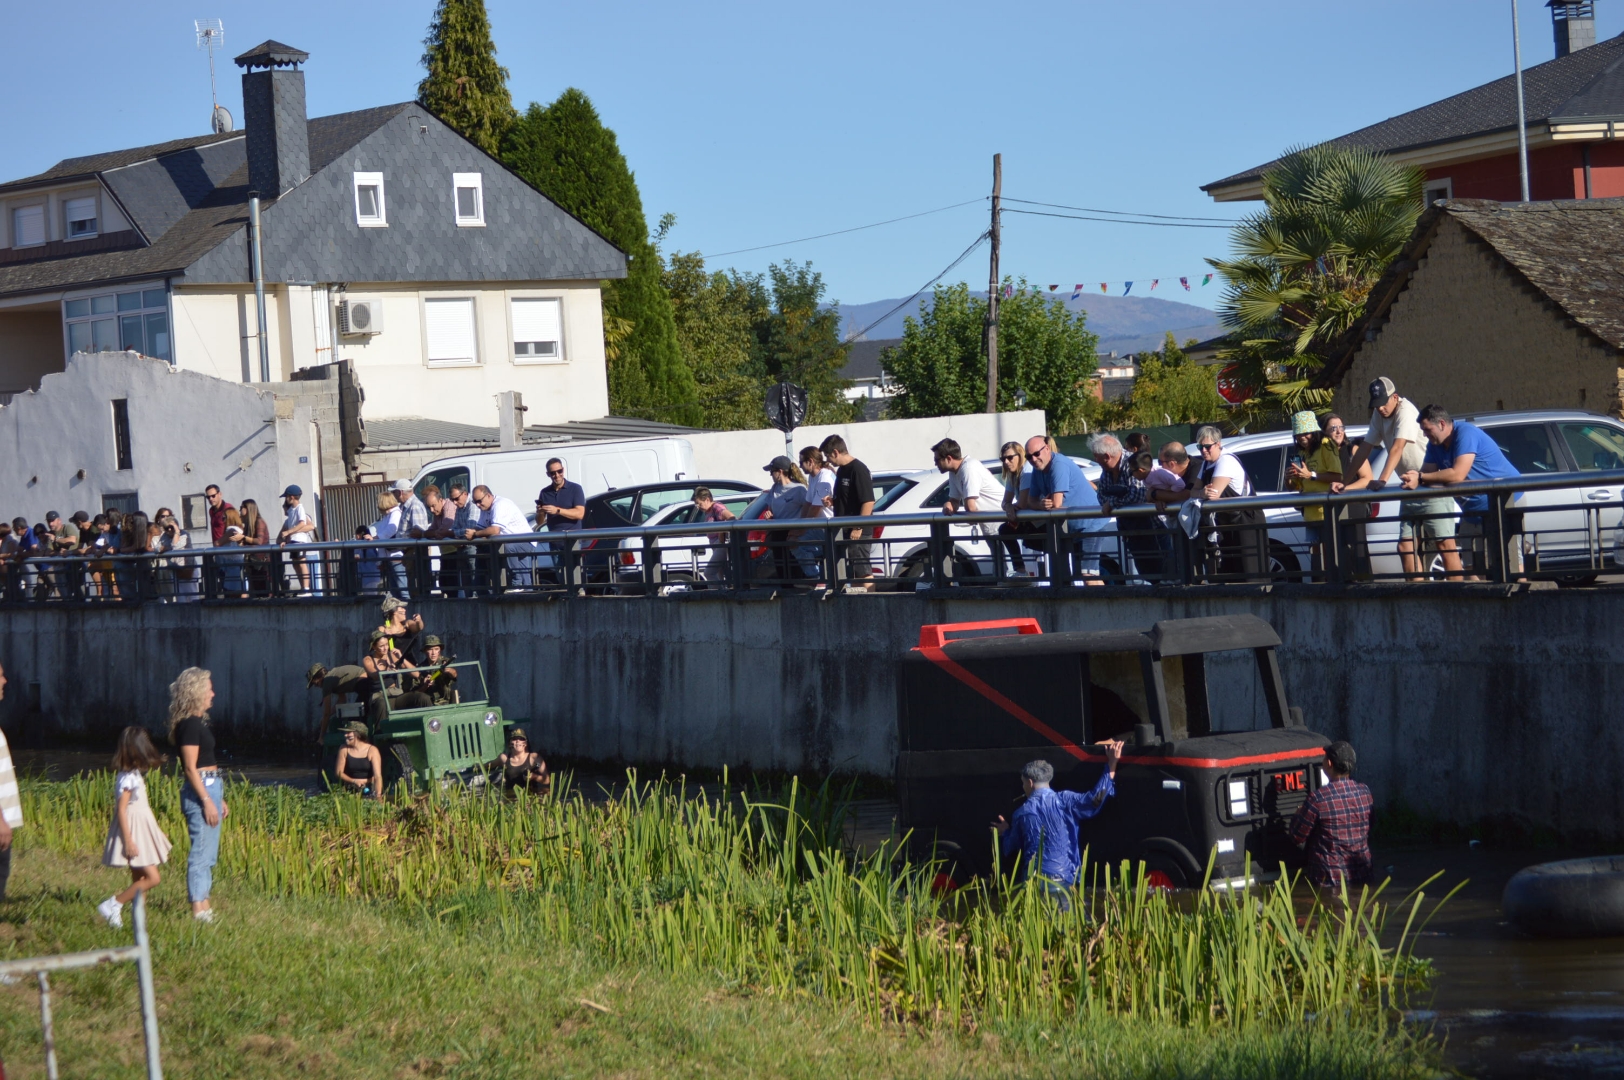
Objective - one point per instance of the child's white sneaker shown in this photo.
(112, 911)
(204, 916)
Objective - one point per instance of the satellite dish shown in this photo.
(220, 120)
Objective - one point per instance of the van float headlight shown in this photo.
(1239, 802)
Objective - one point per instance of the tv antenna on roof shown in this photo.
(211, 34)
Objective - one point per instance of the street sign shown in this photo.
(1230, 387)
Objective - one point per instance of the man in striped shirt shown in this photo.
(11, 806)
(1333, 826)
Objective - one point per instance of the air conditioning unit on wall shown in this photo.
(358, 318)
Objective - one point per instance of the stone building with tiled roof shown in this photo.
(1467, 144)
(391, 247)
(1496, 306)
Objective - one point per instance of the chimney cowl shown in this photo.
(1573, 25)
(271, 54)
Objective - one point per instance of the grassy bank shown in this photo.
(655, 933)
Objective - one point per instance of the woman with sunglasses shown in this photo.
(1241, 551)
(1016, 475)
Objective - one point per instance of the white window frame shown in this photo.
(1445, 182)
(473, 317)
(95, 208)
(371, 179)
(477, 182)
(563, 353)
(44, 223)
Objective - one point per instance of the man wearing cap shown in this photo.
(1395, 427)
(1333, 826)
(344, 681)
(786, 501)
(297, 528)
(1043, 831)
(414, 516)
(561, 505)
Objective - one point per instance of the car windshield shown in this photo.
(888, 489)
(469, 685)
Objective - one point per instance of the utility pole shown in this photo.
(1522, 119)
(992, 288)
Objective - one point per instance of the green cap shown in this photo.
(376, 634)
(432, 641)
(354, 727)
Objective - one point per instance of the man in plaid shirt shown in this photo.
(1333, 826)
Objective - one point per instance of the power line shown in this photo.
(945, 271)
(1121, 213)
(841, 232)
(1119, 221)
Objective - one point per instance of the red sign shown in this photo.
(1291, 781)
(1230, 387)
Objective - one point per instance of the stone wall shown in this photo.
(1466, 703)
(1469, 334)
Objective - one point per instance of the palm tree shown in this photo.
(1334, 218)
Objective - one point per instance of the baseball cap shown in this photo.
(781, 463)
(1380, 390)
(80, 515)
(293, 489)
(403, 484)
(53, 516)
(354, 727)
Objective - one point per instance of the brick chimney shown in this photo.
(1573, 22)
(273, 102)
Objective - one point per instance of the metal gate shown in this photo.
(346, 507)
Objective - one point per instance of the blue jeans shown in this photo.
(205, 838)
(393, 574)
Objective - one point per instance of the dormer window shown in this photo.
(369, 204)
(469, 189)
(28, 226)
(81, 217)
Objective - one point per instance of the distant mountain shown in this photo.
(1124, 323)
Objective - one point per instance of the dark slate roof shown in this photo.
(411, 431)
(1584, 85)
(863, 358)
(1569, 251)
(188, 199)
(70, 168)
(271, 54)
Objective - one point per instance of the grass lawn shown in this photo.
(347, 988)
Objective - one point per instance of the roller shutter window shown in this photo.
(538, 331)
(81, 217)
(28, 226)
(450, 326)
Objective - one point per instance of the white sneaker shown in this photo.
(204, 916)
(112, 911)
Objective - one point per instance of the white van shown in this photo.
(597, 466)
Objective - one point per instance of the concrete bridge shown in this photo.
(1468, 704)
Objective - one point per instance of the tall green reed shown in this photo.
(762, 888)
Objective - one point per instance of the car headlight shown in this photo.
(490, 719)
(434, 725)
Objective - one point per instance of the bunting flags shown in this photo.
(1076, 292)
(1052, 288)
(1154, 282)
(1185, 282)
(1127, 287)
(1205, 278)
(1009, 291)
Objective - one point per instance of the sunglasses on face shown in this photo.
(1206, 446)
(1336, 427)
(555, 472)
(1009, 457)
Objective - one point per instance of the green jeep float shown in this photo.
(450, 731)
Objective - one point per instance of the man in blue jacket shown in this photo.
(1044, 829)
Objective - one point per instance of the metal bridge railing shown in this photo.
(1557, 526)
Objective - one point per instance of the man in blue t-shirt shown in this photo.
(1459, 452)
(1058, 483)
(559, 507)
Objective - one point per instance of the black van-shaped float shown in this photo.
(973, 711)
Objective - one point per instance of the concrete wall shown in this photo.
(215, 327)
(30, 347)
(880, 444)
(1472, 336)
(1464, 703)
(186, 431)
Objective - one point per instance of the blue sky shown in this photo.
(760, 122)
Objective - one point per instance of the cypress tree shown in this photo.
(566, 151)
(465, 86)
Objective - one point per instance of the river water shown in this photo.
(1505, 1005)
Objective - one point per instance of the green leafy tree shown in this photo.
(798, 338)
(715, 320)
(465, 86)
(1170, 389)
(1334, 217)
(1045, 354)
(566, 152)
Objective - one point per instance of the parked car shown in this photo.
(682, 559)
(597, 466)
(632, 506)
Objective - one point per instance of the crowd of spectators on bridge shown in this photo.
(250, 556)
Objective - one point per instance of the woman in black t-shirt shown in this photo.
(202, 797)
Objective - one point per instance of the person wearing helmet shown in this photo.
(403, 629)
(436, 687)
